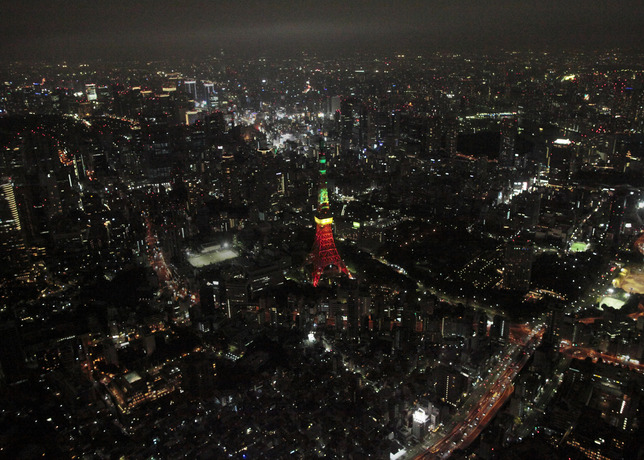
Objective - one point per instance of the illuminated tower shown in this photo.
(324, 254)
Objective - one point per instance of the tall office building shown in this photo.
(430, 134)
(351, 123)
(449, 384)
(518, 265)
(554, 322)
(209, 87)
(561, 158)
(451, 135)
(13, 256)
(420, 423)
(12, 356)
(508, 140)
(90, 90)
(191, 88)
(500, 329)
(210, 97)
(616, 216)
(230, 188)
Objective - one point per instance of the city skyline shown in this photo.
(388, 230)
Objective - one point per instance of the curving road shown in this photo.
(482, 404)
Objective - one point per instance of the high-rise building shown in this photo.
(229, 185)
(191, 88)
(451, 135)
(450, 384)
(210, 97)
(209, 87)
(616, 216)
(500, 329)
(619, 152)
(561, 160)
(420, 421)
(518, 265)
(554, 322)
(12, 356)
(352, 122)
(13, 255)
(324, 255)
(508, 139)
(198, 376)
(334, 104)
(90, 90)
(430, 134)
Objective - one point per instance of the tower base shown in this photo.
(324, 255)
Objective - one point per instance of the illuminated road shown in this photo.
(160, 267)
(594, 355)
(155, 256)
(487, 397)
(482, 404)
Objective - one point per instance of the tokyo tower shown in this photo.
(324, 255)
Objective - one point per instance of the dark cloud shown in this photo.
(41, 29)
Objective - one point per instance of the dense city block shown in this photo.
(374, 256)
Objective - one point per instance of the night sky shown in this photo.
(38, 29)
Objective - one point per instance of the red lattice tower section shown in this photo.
(324, 255)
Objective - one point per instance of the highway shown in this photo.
(482, 404)
(157, 261)
(595, 355)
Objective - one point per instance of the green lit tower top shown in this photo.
(323, 191)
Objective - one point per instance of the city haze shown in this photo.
(115, 30)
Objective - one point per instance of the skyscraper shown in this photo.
(561, 162)
(616, 216)
(12, 247)
(351, 123)
(90, 90)
(508, 139)
(451, 135)
(191, 88)
(420, 422)
(518, 265)
(12, 356)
